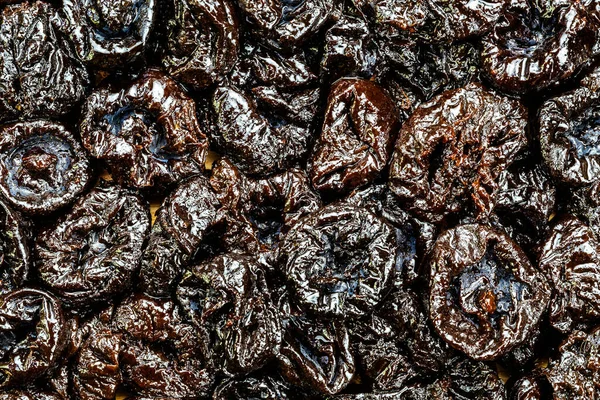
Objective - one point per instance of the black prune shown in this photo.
(40, 75)
(93, 251)
(147, 134)
(485, 296)
(43, 167)
(15, 260)
(534, 386)
(28, 395)
(357, 136)
(265, 387)
(33, 335)
(584, 202)
(451, 150)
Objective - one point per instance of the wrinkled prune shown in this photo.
(40, 75)
(109, 34)
(339, 260)
(93, 251)
(451, 150)
(256, 388)
(203, 41)
(32, 336)
(357, 136)
(538, 43)
(15, 260)
(531, 387)
(584, 202)
(485, 296)
(570, 258)
(28, 395)
(147, 134)
(42, 166)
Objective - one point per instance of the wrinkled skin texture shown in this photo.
(203, 41)
(162, 355)
(531, 387)
(32, 336)
(584, 203)
(339, 260)
(451, 150)
(485, 297)
(256, 388)
(147, 134)
(568, 129)
(43, 167)
(570, 259)
(15, 259)
(538, 43)
(40, 75)
(229, 297)
(28, 395)
(93, 251)
(357, 136)
(109, 34)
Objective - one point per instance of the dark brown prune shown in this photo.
(15, 260)
(261, 387)
(147, 134)
(570, 258)
(584, 202)
(229, 297)
(451, 150)
(357, 136)
(40, 75)
(162, 355)
(533, 386)
(43, 167)
(568, 133)
(107, 33)
(536, 44)
(271, 206)
(485, 296)
(339, 261)
(28, 395)
(203, 41)
(93, 251)
(32, 336)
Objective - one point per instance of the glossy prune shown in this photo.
(15, 260)
(147, 133)
(42, 166)
(28, 395)
(485, 296)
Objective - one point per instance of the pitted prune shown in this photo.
(40, 75)
(450, 152)
(42, 166)
(485, 296)
(203, 41)
(15, 260)
(357, 136)
(147, 134)
(32, 336)
(109, 34)
(93, 251)
(536, 44)
(229, 297)
(339, 260)
(162, 355)
(570, 258)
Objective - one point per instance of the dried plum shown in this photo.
(257, 388)
(15, 259)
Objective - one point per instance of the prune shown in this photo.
(583, 202)
(357, 136)
(485, 296)
(40, 75)
(147, 134)
(534, 386)
(229, 297)
(257, 388)
(32, 336)
(93, 251)
(42, 166)
(570, 258)
(203, 43)
(568, 130)
(451, 150)
(538, 43)
(15, 260)
(162, 354)
(339, 260)
(28, 395)
(109, 34)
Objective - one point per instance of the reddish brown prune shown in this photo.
(15, 260)
(93, 251)
(32, 336)
(107, 33)
(42, 166)
(451, 151)
(147, 133)
(485, 297)
(40, 75)
(357, 136)
(536, 44)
